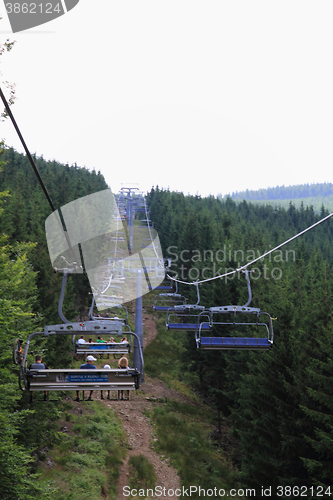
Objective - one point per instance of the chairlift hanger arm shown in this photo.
(61, 298)
(198, 294)
(246, 272)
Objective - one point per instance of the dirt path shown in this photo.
(139, 429)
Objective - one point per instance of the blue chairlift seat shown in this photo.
(190, 327)
(164, 287)
(242, 343)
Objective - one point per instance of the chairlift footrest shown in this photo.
(188, 326)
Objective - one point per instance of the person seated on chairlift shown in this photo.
(112, 340)
(123, 364)
(38, 365)
(87, 366)
(20, 352)
(106, 367)
(101, 341)
(81, 340)
(124, 340)
(90, 340)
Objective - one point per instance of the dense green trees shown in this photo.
(278, 402)
(26, 210)
(29, 291)
(18, 296)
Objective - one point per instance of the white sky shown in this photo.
(198, 96)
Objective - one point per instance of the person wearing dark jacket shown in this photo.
(87, 366)
(38, 365)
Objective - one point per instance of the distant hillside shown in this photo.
(315, 195)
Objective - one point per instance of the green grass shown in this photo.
(163, 359)
(183, 435)
(87, 459)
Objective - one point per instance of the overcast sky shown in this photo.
(202, 97)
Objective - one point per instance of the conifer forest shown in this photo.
(278, 403)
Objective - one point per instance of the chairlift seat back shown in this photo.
(235, 309)
(189, 307)
(100, 326)
(106, 347)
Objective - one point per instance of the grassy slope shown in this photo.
(86, 460)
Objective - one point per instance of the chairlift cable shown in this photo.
(33, 164)
(35, 169)
(153, 244)
(243, 268)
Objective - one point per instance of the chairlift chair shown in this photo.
(185, 316)
(168, 300)
(238, 317)
(77, 379)
(114, 309)
(146, 223)
(69, 379)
